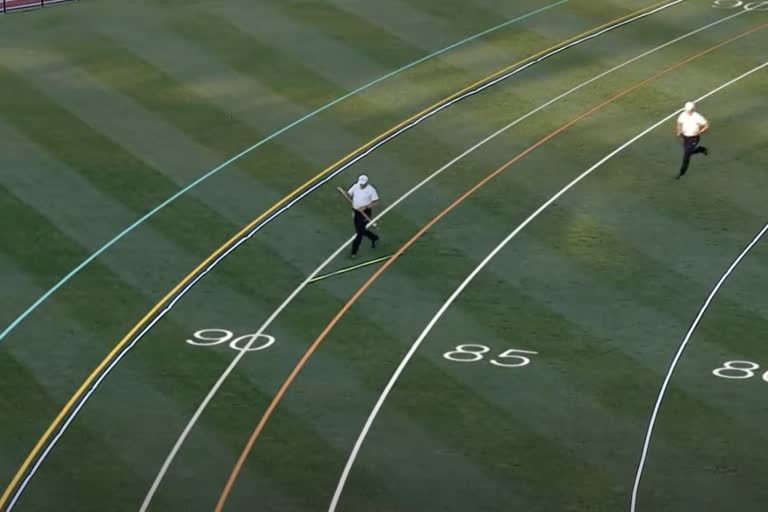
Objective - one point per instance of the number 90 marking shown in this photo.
(246, 343)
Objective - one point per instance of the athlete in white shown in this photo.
(364, 197)
(690, 126)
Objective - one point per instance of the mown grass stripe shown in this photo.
(652, 282)
(458, 13)
(69, 139)
(123, 70)
(45, 185)
(376, 43)
(252, 57)
(114, 171)
(35, 401)
(280, 70)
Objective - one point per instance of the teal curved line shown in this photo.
(237, 157)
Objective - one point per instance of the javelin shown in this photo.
(349, 269)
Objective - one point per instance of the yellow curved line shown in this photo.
(79, 393)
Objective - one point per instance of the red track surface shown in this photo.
(21, 4)
(13, 5)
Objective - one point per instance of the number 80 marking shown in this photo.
(471, 353)
(735, 4)
(738, 370)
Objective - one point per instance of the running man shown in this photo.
(364, 197)
(690, 126)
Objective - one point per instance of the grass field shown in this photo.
(377, 394)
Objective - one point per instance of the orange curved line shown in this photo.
(328, 328)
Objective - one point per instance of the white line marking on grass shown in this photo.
(409, 355)
(247, 151)
(676, 359)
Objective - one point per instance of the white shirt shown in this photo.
(362, 197)
(691, 123)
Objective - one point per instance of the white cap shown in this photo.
(362, 180)
(690, 106)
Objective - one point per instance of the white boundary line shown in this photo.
(225, 375)
(463, 285)
(676, 359)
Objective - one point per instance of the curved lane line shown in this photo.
(313, 347)
(396, 375)
(676, 359)
(244, 153)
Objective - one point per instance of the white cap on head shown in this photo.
(362, 180)
(690, 106)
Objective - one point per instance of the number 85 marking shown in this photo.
(471, 353)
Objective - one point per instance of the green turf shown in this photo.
(110, 107)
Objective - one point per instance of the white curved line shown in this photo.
(676, 359)
(396, 375)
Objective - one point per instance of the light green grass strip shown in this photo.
(235, 158)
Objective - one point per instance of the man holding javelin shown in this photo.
(691, 125)
(364, 197)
